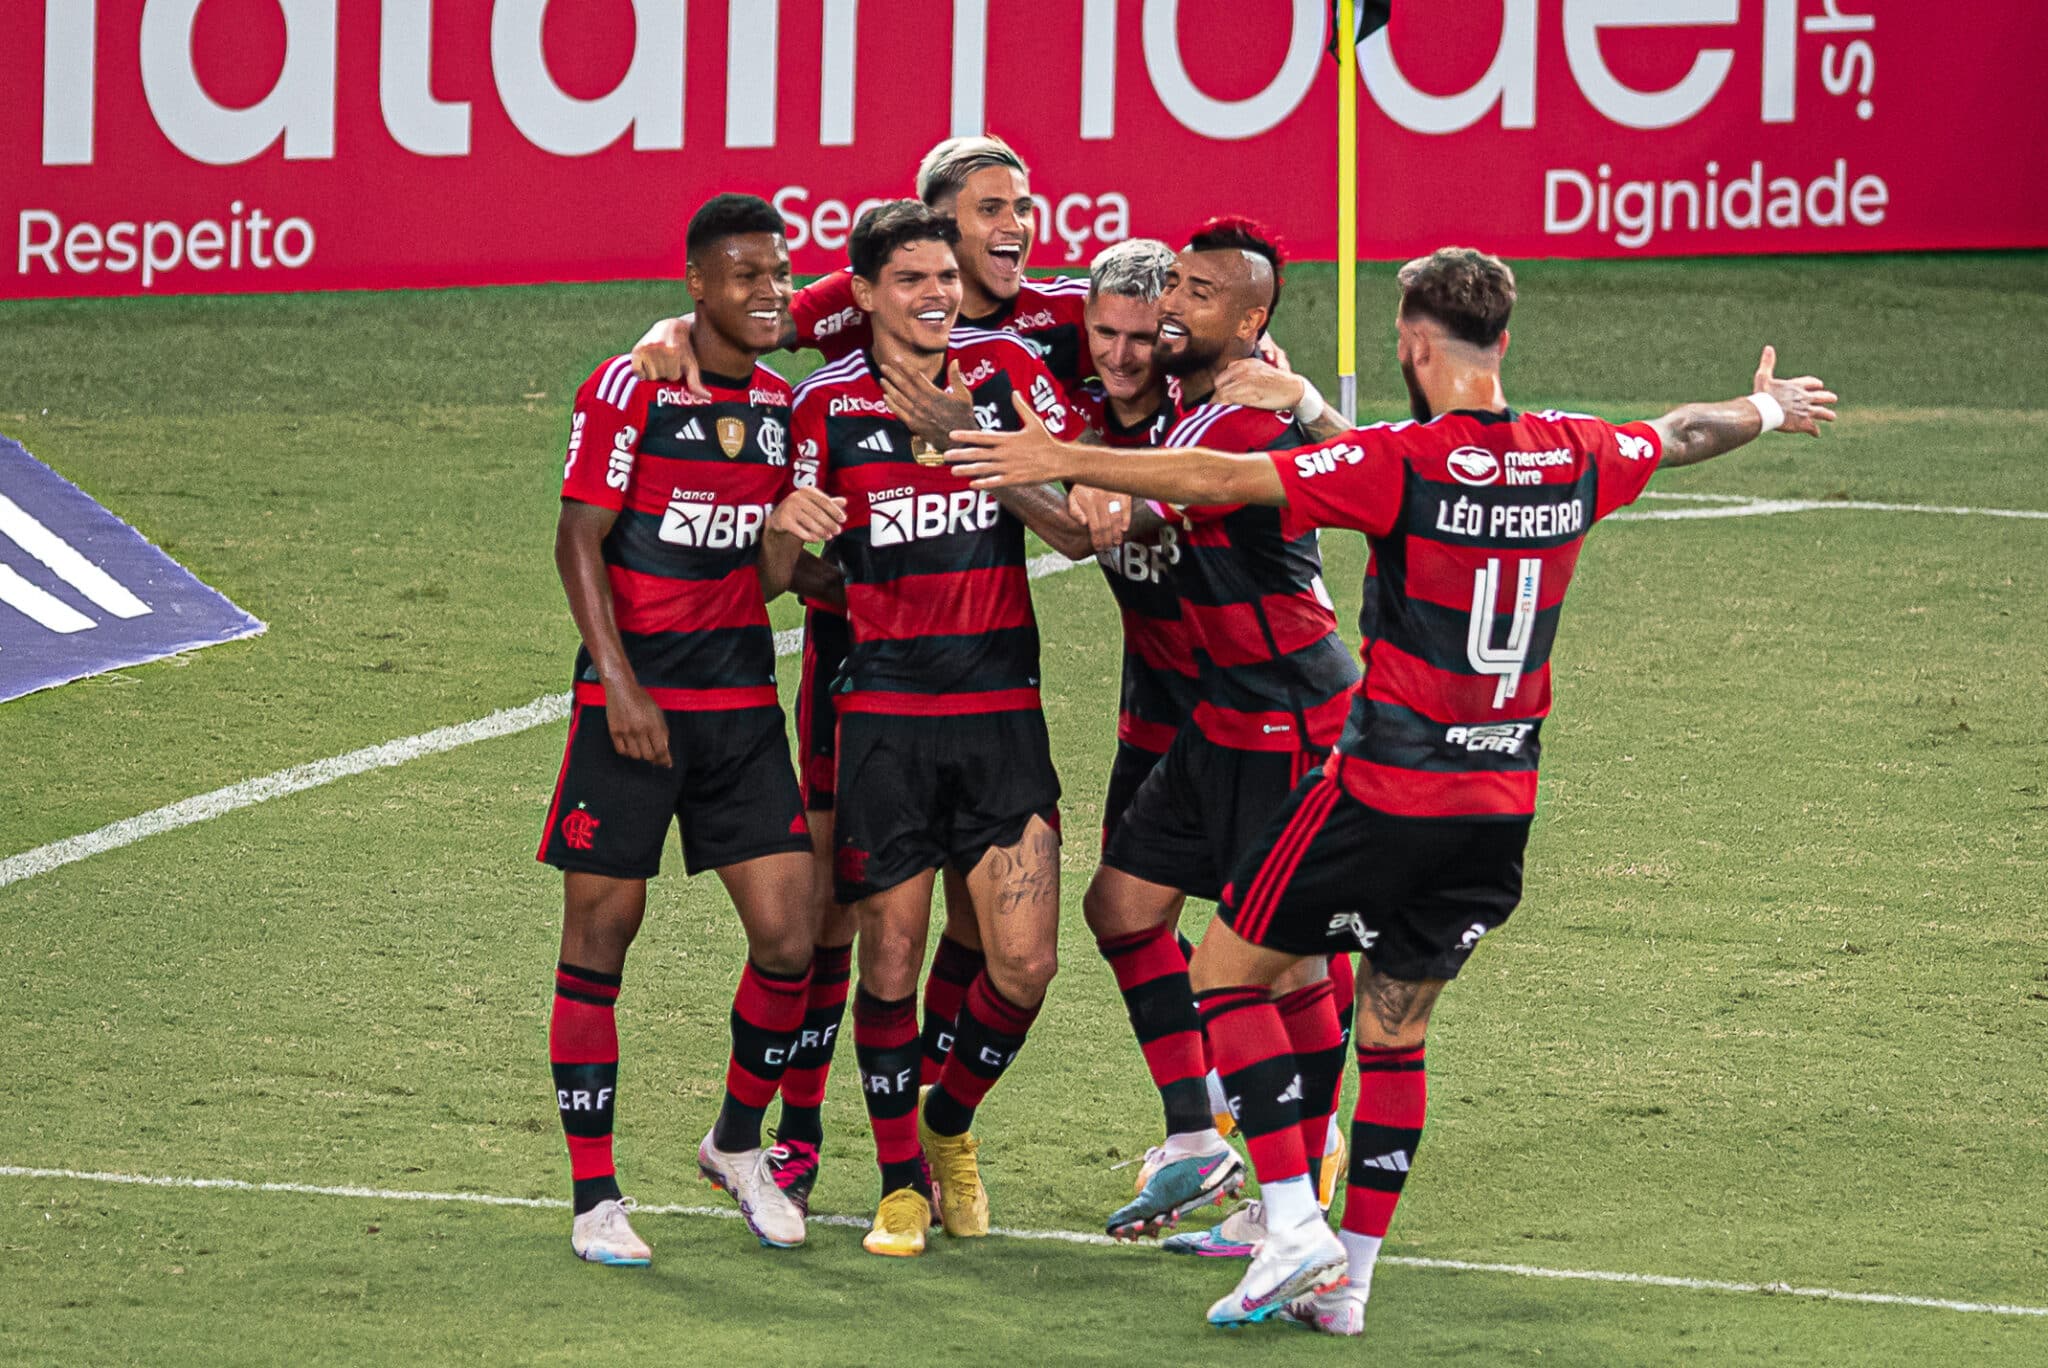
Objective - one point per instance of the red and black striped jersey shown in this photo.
(936, 589)
(1475, 522)
(1159, 679)
(1047, 313)
(1274, 673)
(693, 482)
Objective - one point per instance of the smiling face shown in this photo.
(1213, 311)
(742, 288)
(914, 299)
(1122, 332)
(997, 226)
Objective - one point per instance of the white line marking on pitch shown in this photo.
(554, 707)
(1062, 1236)
(299, 778)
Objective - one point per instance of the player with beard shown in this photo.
(1408, 843)
(943, 754)
(982, 184)
(676, 718)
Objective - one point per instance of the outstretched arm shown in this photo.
(1700, 432)
(1255, 384)
(664, 352)
(1178, 475)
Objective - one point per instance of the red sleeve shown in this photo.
(1626, 457)
(603, 434)
(1353, 480)
(1032, 380)
(827, 318)
(807, 464)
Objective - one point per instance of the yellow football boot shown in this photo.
(900, 1224)
(956, 1177)
(1332, 1174)
(1226, 1124)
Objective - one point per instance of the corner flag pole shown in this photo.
(1347, 210)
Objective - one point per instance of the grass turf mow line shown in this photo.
(1517, 1270)
(554, 707)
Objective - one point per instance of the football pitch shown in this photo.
(1772, 1014)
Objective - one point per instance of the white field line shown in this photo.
(1516, 1270)
(554, 707)
(299, 778)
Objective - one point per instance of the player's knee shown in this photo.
(1023, 978)
(787, 952)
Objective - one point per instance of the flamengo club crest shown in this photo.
(732, 435)
(579, 828)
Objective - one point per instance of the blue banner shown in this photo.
(82, 592)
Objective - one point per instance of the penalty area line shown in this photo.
(205, 807)
(1514, 1270)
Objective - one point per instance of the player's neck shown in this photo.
(1139, 408)
(979, 308)
(888, 349)
(1468, 388)
(1197, 386)
(717, 354)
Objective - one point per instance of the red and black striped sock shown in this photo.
(767, 1014)
(583, 1050)
(1152, 974)
(803, 1083)
(954, 968)
(1393, 1095)
(992, 1030)
(885, 1044)
(1249, 1043)
(1310, 1017)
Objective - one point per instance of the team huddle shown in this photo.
(1140, 418)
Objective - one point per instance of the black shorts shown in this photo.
(1126, 773)
(922, 792)
(826, 641)
(731, 787)
(1201, 806)
(1413, 894)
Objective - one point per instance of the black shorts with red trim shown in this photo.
(1200, 806)
(826, 641)
(1126, 773)
(922, 792)
(731, 787)
(1414, 894)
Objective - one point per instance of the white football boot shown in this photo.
(1332, 1311)
(603, 1235)
(1288, 1264)
(749, 1175)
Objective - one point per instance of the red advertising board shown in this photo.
(197, 146)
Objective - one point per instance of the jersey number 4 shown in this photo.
(1508, 660)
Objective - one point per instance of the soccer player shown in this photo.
(1407, 844)
(943, 756)
(1272, 674)
(676, 718)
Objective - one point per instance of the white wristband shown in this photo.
(1311, 405)
(1768, 409)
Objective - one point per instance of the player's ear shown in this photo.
(1254, 325)
(1500, 348)
(693, 281)
(863, 293)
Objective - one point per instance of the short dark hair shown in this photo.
(1467, 291)
(1243, 235)
(724, 216)
(899, 223)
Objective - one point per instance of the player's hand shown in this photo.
(1272, 353)
(1106, 516)
(665, 353)
(994, 460)
(930, 412)
(639, 728)
(1255, 384)
(809, 515)
(1806, 401)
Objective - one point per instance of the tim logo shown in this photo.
(919, 517)
(701, 523)
(1352, 925)
(579, 829)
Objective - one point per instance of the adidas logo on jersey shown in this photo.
(692, 431)
(1397, 1162)
(876, 441)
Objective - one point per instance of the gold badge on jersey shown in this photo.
(732, 435)
(924, 453)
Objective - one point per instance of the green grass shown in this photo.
(1774, 1008)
